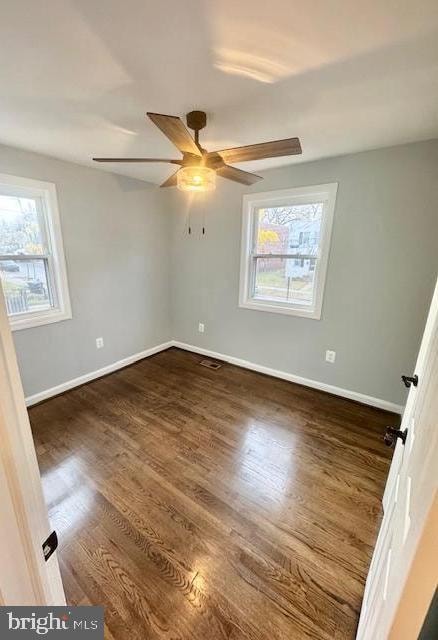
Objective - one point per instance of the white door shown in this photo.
(25, 577)
(409, 493)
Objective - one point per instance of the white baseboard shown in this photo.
(307, 382)
(76, 382)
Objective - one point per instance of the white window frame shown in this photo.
(46, 192)
(325, 193)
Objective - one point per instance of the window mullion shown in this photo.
(25, 257)
(286, 256)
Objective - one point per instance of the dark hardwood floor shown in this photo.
(206, 504)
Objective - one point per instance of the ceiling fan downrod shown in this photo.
(196, 120)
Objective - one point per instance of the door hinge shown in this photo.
(50, 545)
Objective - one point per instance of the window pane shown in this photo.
(20, 230)
(292, 229)
(285, 280)
(25, 286)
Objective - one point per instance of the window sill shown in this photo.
(38, 319)
(311, 313)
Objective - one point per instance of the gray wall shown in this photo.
(116, 246)
(381, 272)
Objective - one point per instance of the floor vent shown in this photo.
(210, 364)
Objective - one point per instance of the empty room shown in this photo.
(219, 319)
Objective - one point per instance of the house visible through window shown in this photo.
(32, 267)
(286, 236)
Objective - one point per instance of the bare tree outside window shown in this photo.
(23, 265)
(286, 252)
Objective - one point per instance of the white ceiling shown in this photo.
(77, 76)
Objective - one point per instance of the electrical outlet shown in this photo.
(201, 327)
(330, 356)
(99, 343)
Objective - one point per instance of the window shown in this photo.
(32, 266)
(285, 247)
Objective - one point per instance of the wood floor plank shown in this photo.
(194, 503)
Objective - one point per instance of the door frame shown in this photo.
(25, 577)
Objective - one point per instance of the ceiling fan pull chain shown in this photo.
(187, 225)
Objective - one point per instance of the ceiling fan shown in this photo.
(198, 168)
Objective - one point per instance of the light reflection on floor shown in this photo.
(70, 503)
(273, 447)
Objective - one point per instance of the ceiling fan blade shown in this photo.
(232, 173)
(174, 129)
(171, 181)
(136, 160)
(288, 147)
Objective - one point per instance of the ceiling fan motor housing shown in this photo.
(196, 120)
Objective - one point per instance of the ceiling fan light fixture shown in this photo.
(196, 179)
